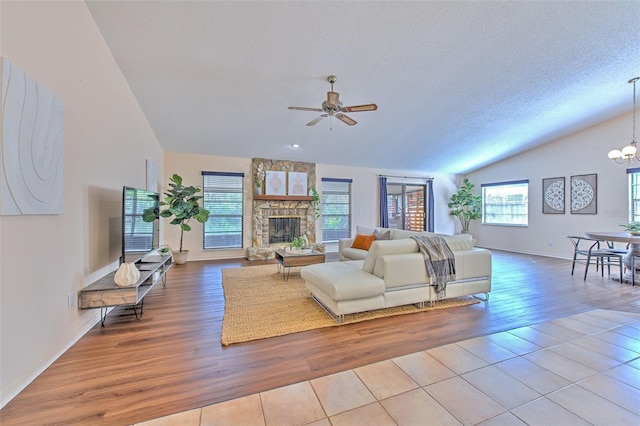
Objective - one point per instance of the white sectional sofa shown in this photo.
(393, 273)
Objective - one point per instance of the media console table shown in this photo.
(105, 293)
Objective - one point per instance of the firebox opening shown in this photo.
(283, 229)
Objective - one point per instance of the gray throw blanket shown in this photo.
(439, 261)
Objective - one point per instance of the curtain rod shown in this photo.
(408, 177)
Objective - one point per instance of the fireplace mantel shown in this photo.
(283, 197)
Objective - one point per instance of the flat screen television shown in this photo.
(138, 237)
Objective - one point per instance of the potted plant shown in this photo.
(259, 179)
(182, 204)
(315, 203)
(632, 227)
(465, 205)
(299, 244)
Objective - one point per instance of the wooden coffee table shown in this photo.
(287, 260)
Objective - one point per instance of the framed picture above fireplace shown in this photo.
(297, 183)
(276, 183)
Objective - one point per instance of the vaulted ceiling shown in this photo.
(458, 84)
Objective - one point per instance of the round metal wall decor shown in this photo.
(581, 194)
(554, 196)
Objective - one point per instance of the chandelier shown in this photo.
(629, 152)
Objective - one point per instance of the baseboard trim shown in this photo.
(530, 252)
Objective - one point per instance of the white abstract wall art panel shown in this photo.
(31, 152)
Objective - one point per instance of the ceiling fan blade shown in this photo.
(315, 120)
(306, 109)
(359, 108)
(332, 98)
(346, 119)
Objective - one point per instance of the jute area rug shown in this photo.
(260, 304)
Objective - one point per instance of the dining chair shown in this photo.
(588, 251)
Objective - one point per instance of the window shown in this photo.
(336, 209)
(138, 235)
(506, 203)
(634, 194)
(223, 199)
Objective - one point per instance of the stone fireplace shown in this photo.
(278, 219)
(269, 217)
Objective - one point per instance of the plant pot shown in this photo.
(180, 257)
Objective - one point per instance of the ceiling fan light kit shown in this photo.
(629, 152)
(332, 107)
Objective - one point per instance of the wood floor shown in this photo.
(171, 360)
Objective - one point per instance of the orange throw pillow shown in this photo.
(363, 242)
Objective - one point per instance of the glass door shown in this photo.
(406, 206)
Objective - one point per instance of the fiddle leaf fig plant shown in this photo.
(182, 203)
(465, 205)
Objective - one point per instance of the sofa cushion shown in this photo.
(382, 234)
(354, 253)
(379, 248)
(341, 281)
(402, 270)
(459, 242)
(363, 242)
(399, 234)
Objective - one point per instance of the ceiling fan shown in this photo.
(332, 107)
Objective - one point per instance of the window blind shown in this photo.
(336, 209)
(223, 198)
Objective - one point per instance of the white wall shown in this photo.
(584, 152)
(364, 197)
(106, 142)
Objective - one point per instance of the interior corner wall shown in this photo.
(584, 152)
(48, 258)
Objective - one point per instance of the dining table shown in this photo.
(621, 237)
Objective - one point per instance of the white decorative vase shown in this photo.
(180, 257)
(126, 275)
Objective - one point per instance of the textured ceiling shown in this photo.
(458, 84)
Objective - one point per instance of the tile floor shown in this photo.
(578, 370)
